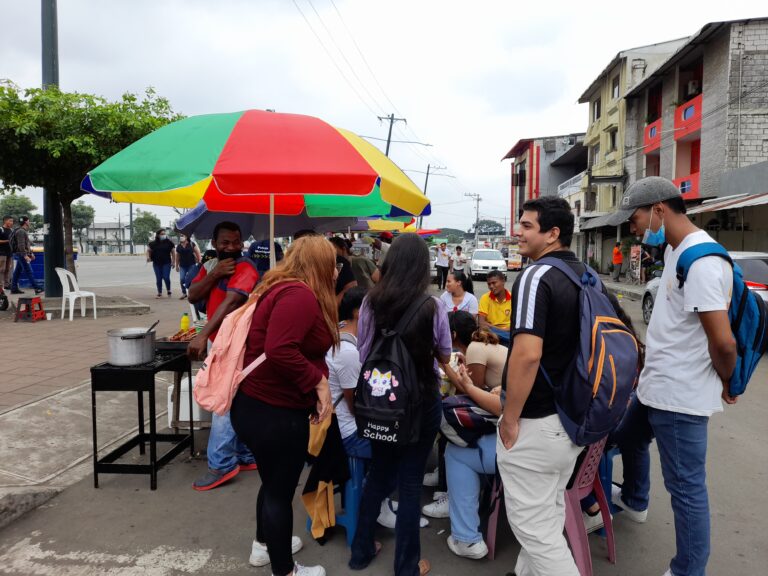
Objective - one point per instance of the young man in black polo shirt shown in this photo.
(535, 455)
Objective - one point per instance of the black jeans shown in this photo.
(278, 439)
(400, 467)
(442, 276)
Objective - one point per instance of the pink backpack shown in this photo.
(218, 379)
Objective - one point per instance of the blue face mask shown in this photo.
(651, 238)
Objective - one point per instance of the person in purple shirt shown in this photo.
(405, 278)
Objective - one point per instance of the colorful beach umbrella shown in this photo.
(258, 162)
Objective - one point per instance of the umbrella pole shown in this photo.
(271, 231)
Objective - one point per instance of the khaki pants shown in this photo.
(535, 472)
(6, 270)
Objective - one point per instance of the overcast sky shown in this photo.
(471, 78)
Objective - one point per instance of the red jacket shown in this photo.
(288, 326)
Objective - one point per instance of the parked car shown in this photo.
(754, 265)
(484, 260)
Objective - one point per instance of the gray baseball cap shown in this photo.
(645, 192)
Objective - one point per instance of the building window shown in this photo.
(613, 138)
(578, 208)
(596, 110)
(615, 88)
(688, 112)
(595, 155)
(653, 131)
(613, 196)
(685, 186)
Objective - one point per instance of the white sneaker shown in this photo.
(299, 570)
(431, 479)
(474, 551)
(668, 573)
(438, 508)
(639, 516)
(593, 523)
(437, 495)
(260, 556)
(388, 515)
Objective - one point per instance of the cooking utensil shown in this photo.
(131, 346)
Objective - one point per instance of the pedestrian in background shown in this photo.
(161, 252)
(459, 260)
(187, 256)
(443, 264)
(6, 254)
(618, 260)
(22, 253)
(346, 279)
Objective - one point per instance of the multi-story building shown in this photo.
(701, 120)
(540, 165)
(606, 135)
(108, 236)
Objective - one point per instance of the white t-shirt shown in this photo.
(459, 261)
(443, 258)
(678, 374)
(343, 372)
(468, 304)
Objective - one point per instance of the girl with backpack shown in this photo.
(294, 324)
(405, 279)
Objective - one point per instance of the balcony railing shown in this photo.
(688, 185)
(652, 136)
(688, 117)
(571, 186)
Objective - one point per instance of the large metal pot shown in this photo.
(131, 346)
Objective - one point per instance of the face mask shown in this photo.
(651, 238)
(162, 237)
(225, 255)
(183, 238)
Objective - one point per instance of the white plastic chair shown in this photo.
(72, 292)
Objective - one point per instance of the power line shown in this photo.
(333, 60)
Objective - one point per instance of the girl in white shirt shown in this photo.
(458, 293)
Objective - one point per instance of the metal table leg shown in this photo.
(95, 443)
(191, 417)
(141, 421)
(152, 439)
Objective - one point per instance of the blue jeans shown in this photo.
(682, 443)
(183, 272)
(464, 467)
(225, 450)
(22, 266)
(357, 447)
(162, 273)
(400, 467)
(502, 333)
(633, 436)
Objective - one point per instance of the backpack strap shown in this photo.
(589, 277)
(690, 255)
(410, 312)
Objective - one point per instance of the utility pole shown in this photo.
(392, 121)
(477, 199)
(53, 228)
(426, 182)
(130, 226)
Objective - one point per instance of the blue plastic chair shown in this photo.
(351, 494)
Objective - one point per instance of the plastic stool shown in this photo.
(29, 310)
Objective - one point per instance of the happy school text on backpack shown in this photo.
(388, 398)
(593, 394)
(747, 313)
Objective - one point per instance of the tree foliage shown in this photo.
(82, 218)
(489, 228)
(145, 224)
(16, 205)
(51, 139)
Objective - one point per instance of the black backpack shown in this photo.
(388, 398)
(13, 241)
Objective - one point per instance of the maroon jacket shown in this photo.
(289, 327)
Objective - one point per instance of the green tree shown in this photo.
(145, 224)
(489, 228)
(454, 235)
(82, 218)
(16, 205)
(51, 139)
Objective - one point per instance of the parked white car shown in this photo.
(754, 265)
(484, 260)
